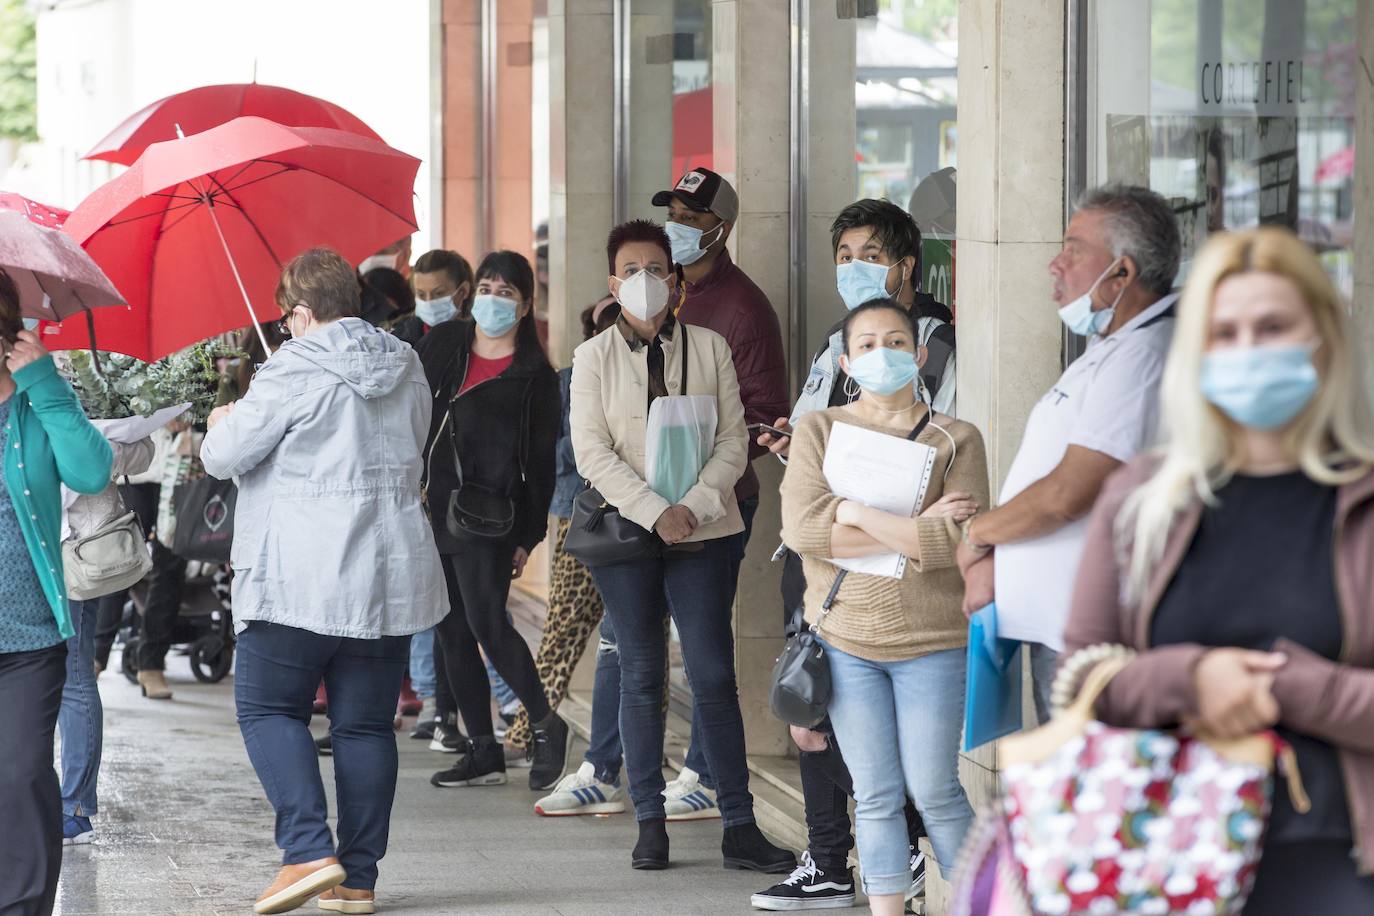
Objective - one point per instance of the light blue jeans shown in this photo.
(899, 724)
(422, 677)
(81, 717)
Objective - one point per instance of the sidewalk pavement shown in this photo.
(184, 829)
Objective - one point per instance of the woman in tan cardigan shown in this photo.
(616, 377)
(895, 645)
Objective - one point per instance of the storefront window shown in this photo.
(1240, 112)
(905, 92)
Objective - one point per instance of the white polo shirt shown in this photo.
(1106, 400)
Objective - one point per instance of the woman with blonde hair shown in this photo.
(1235, 562)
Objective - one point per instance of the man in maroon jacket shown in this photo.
(702, 209)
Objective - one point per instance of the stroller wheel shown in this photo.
(127, 666)
(211, 659)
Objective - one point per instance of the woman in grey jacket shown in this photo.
(334, 570)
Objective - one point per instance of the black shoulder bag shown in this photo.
(478, 510)
(598, 534)
(800, 694)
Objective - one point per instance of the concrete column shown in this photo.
(751, 45)
(1364, 194)
(581, 73)
(462, 40)
(514, 215)
(650, 129)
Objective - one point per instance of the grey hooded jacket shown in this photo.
(329, 534)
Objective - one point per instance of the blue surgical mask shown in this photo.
(495, 315)
(436, 311)
(1078, 316)
(860, 281)
(1260, 387)
(31, 323)
(686, 242)
(884, 370)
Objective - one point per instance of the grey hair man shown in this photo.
(1113, 282)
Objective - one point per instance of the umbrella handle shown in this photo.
(90, 330)
(257, 326)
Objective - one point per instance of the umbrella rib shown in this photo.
(163, 212)
(368, 198)
(238, 206)
(226, 190)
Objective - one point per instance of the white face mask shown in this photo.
(643, 295)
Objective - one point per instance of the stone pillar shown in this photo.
(513, 212)
(650, 128)
(581, 154)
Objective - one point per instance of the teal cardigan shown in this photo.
(49, 442)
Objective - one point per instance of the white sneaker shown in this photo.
(686, 799)
(581, 793)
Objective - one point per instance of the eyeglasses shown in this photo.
(284, 326)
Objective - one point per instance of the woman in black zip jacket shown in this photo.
(491, 442)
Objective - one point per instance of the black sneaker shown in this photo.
(549, 752)
(808, 888)
(918, 874)
(426, 724)
(483, 765)
(324, 745)
(745, 846)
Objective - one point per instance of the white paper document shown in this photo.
(131, 429)
(882, 471)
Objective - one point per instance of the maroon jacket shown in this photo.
(728, 302)
(1330, 700)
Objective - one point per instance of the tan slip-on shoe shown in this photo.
(349, 900)
(154, 684)
(296, 884)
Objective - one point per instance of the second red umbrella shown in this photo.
(196, 232)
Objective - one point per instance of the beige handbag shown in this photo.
(112, 558)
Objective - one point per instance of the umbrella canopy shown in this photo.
(42, 214)
(199, 227)
(198, 110)
(54, 276)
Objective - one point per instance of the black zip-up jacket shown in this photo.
(485, 424)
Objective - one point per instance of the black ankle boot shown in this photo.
(745, 846)
(651, 852)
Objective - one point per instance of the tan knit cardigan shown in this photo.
(878, 617)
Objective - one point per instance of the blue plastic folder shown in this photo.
(992, 702)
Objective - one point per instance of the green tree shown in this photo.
(18, 72)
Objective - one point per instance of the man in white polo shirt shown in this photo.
(1113, 280)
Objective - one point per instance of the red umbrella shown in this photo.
(54, 277)
(34, 212)
(199, 228)
(198, 110)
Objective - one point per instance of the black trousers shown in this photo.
(30, 798)
(109, 614)
(444, 703)
(478, 585)
(166, 583)
(826, 784)
(1316, 877)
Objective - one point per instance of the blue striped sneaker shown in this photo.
(581, 793)
(686, 799)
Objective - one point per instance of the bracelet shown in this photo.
(980, 549)
(1075, 669)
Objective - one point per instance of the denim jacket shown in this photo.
(567, 482)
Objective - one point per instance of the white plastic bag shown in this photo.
(678, 442)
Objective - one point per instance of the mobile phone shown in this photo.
(756, 428)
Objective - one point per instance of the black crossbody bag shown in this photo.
(598, 534)
(800, 693)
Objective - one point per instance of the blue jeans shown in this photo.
(81, 717)
(274, 687)
(422, 676)
(604, 751)
(899, 724)
(694, 587)
(739, 543)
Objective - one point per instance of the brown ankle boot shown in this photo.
(154, 684)
(296, 884)
(349, 900)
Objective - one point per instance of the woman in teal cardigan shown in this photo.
(46, 441)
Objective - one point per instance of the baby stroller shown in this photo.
(204, 627)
